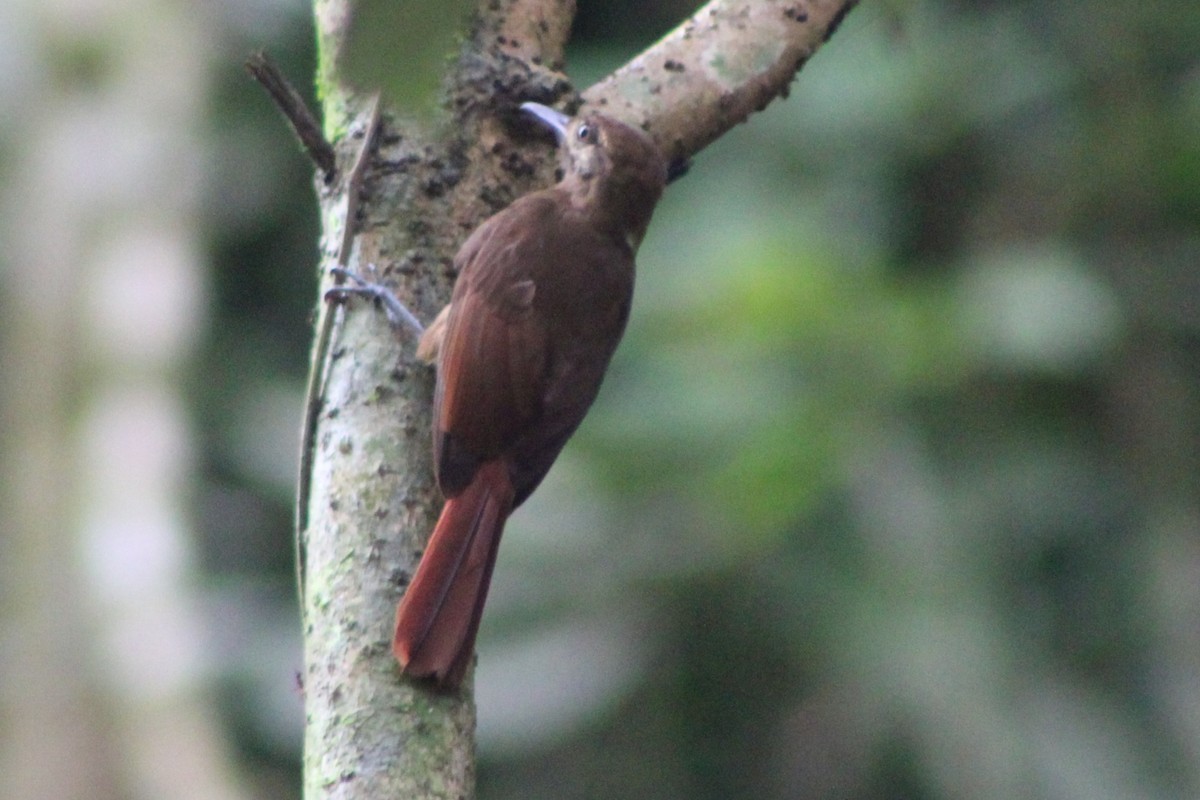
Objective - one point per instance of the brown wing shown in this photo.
(492, 362)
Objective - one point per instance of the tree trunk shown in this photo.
(367, 497)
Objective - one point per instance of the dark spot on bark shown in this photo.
(400, 577)
(837, 19)
(496, 197)
(678, 167)
(396, 165)
(433, 187)
(671, 65)
(796, 13)
(446, 176)
(516, 165)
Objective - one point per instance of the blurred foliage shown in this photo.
(404, 47)
(891, 491)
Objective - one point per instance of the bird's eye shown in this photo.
(585, 133)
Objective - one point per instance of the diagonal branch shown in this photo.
(296, 111)
(730, 59)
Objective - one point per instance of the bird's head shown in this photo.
(612, 171)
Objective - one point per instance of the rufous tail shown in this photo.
(439, 615)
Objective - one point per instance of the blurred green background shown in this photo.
(892, 490)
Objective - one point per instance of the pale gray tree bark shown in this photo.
(368, 500)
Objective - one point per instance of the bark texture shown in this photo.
(368, 500)
(728, 60)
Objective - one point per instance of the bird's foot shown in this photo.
(397, 313)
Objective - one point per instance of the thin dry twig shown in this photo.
(296, 111)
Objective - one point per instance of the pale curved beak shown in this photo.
(554, 120)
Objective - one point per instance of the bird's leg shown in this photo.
(397, 313)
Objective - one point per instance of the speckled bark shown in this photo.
(368, 500)
(370, 496)
(728, 60)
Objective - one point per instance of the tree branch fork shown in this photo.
(728, 60)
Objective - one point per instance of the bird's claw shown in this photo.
(397, 313)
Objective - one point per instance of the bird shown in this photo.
(541, 301)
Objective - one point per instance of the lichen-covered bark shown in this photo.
(369, 499)
(728, 60)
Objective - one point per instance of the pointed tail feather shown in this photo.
(439, 615)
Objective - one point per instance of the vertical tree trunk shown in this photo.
(370, 497)
(367, 499)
